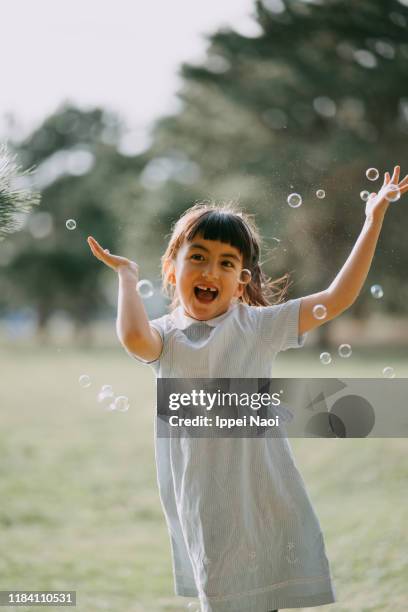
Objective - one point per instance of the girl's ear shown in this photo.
(170, 271)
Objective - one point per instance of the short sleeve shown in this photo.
(278, 325)
(160, 325)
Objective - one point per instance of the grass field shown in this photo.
(79, 503)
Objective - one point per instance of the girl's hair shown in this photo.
(230, 225)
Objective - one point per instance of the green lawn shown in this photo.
(79, 503)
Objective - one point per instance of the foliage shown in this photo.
(15, 199)
(310, 103)
(78, 171)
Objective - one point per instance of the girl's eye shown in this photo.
(196, 257)
(228, 264)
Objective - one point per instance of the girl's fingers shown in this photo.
(93, 242)
(395, 176)
(404, 181)
(104, 255)
(92, 247)
(386, 179)
(98, 251)
(96, 248)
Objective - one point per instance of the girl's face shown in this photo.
(206, 274)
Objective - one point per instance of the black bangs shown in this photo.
(225, 227)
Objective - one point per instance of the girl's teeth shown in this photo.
(205, 288)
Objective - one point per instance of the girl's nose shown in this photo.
(210, 270)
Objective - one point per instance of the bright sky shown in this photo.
(121, 54)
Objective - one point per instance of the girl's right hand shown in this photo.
(116, 262)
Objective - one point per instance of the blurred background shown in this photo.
(130, 113)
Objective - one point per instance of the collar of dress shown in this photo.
(182, 321)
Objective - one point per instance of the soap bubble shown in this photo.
(84, 380)
(106, 393)
(372, 174)
(121, 403)
(377, 291)
(345, 350)
(319, 311)
(70, 224)
(192, 606)
(325, 358)
(393, 193)
(388, 372)
(294, 200)
(364, 195)
(145, 288)
(107, 389)
(320, 193)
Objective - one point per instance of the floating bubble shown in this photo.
(372, 174)
(294, 200)
(364, 195)
(320, 193)
(145, 288)
(377, 291)
(325, 358)
(84, 380)
(106, 389)
(107, 402)
(388, 372)
(121, 403)
(70, 224)
(106, 393)
(345, 350)
(192, 606)
(393, 193)
(319, 311)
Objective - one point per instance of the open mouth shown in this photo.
(205, 294)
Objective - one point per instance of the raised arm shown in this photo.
(347, 285)
(132, 324)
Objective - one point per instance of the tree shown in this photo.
(79, 172)
(15, 199)
(312, 102)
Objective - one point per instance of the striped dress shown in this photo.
(244, 535)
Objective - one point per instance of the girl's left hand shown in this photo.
(378, 203)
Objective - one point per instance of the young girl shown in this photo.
(243, 532)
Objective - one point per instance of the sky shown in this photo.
(121, 54)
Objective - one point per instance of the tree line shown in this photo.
(310, 103)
